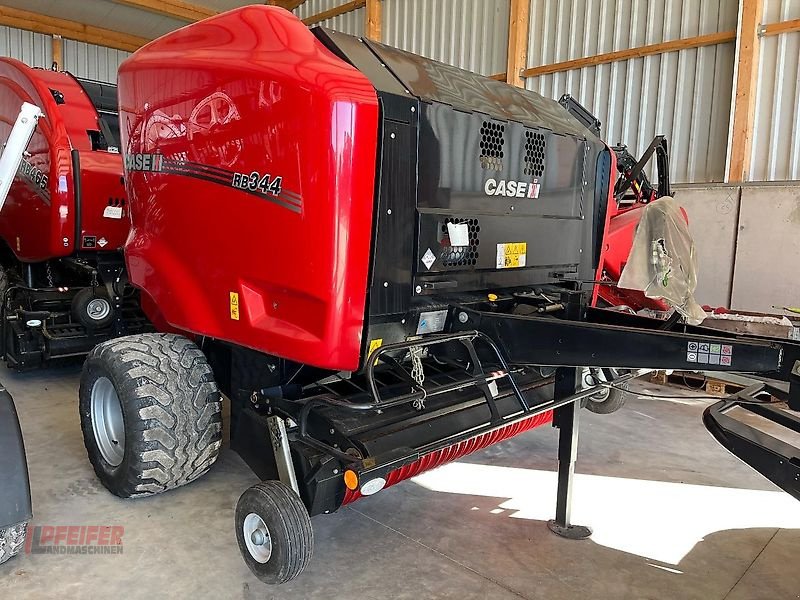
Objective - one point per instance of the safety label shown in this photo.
(112, 212)
(458, 234)
(374, 345)
(709, 354)
(235, 306)
(511, 255)
(432, 321)
(428, 259)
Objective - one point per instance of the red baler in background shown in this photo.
(62, 275)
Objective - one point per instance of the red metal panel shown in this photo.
(38, 214)
(38, 219)
(456, 451)
(102, 185)
(248, 97)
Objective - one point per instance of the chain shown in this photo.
(94, 279)
(418, 374)
(49, 274)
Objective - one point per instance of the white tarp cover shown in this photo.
(662, 262)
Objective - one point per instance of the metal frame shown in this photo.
(283, 456)
(775, 459)
(567, 343)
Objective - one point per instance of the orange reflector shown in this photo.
(351, 480)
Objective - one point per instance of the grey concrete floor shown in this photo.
(674, 516)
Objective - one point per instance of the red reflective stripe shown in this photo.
(456, 451)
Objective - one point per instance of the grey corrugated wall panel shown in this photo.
(685, 95)
(470, 34)
(33, 49)
(776, 135)
(352, 22)
(91, 61)
(102, 13)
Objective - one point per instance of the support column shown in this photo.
(58, 53)
(745, 90)
(566, 419)
(374, 19)
(517, 41)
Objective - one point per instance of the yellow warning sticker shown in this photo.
(512, 255)
(235, 306)
(374, 345)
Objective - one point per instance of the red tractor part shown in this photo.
(385, 262)
(616, 248)
(64, 221)
(631, 191)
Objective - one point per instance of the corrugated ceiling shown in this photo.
(638, 98)
(114, 16)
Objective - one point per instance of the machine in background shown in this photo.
(63, 282)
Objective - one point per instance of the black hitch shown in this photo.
(774, 458)
(545, 340)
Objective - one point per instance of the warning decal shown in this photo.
(374, 345)
(235, 306)
(511, 255)
(709, 354)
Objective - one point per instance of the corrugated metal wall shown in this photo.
(685, 95)
(352, 22)
(31, 48)
(470, 34)
(91, 61)
(776, 137)
(83, 60)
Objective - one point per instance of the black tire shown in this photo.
(611, 402)
(290, 537)
(92, 308)
(170, 406)
(608, 399)
(12, 540)
(5, 282)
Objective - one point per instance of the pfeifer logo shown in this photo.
(74, 539)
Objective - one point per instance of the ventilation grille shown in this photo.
(534, 153)
(492, 145)
(461, 256)
(116, 201)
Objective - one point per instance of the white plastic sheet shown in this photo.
(662, 261)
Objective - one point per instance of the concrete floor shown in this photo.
(674, 516)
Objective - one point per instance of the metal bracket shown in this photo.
(283, 456)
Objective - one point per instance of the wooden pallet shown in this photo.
(696, 381)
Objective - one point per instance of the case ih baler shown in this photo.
(62, 276)
(379, 259)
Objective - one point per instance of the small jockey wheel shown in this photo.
(274, 533)
(92, 308)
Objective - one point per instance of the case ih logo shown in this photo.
(33, 174)
(144, 162)
(511, 189)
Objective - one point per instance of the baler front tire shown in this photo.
(5, 283)
(150, 413)
(12, 540)
(274, 532)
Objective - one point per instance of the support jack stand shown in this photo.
(566, 419)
